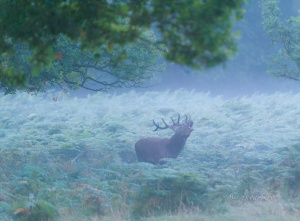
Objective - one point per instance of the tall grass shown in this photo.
(77, 154)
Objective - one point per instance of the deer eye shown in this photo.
(191, 124)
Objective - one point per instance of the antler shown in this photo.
(178, 119)
(168, 126)
(159, 127)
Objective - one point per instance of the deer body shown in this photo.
(151, 149)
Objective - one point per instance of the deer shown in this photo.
(152, 150)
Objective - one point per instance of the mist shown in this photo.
(246, 73)
(73, 156)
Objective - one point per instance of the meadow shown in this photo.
(74, 159)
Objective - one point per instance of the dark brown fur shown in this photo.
(151, 150)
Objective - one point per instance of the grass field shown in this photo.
(76, 156)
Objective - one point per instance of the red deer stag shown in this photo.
(151, 149)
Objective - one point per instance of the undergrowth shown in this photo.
(76, 156)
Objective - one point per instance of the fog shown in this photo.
(224, 81)
(74, 157)
(244, 74)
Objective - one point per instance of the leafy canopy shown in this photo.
(196, 33)
(131, 65)
(285, 36)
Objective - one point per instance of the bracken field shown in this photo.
(74, 159)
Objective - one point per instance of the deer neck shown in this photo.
(176, 145)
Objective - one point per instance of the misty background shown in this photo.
(245, 74)
(76, 158)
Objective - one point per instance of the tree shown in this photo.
(130, 65)
(195, 33)
(285, 34)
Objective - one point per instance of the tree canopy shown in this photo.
(285, 34)
(195, 33)
(98, 70)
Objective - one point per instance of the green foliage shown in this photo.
(42, 211)
(37, 210)
(170, 193)
(288, 175)
(285, 36)
(196, 33)
(241, 149)
(131, 65)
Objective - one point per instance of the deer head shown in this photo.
(151, 149)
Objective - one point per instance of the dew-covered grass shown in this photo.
(76, 156)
